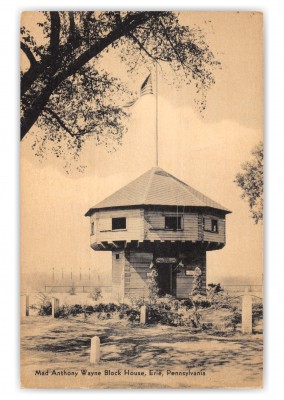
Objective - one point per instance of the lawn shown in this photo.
(56, 353)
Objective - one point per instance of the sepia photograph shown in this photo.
(141, 196)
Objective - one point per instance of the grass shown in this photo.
(64, 344)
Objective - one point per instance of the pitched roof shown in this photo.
(157, 187)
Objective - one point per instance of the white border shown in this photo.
(9, 227)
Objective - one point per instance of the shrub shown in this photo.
(215, 288)
(133, 315)
(236, 319)
(197, 281)
(123, 310)
(96, 294)
(201, 301)
(257, 312)
(188, 304)
(152, 285)
(72, 291)
(45, 309)
(177, 316)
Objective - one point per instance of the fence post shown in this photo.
(143, 316)
(54, 306)
(247, 313)
(25, 311)
(95, 350)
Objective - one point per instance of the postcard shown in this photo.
(141, 199)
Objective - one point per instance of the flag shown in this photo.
(146, 88)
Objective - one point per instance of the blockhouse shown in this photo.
(157, 221)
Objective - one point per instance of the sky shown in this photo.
(205, 151)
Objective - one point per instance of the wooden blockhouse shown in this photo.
(157, 220)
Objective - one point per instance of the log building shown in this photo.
(157, 221)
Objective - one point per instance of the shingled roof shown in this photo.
(156, 187)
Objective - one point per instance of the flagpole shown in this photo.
(157, 141)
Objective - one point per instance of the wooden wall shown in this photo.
(150, 225)
(184, 285)
(103, 225)
(185, 282)
(130, 273)
(118, 265)
(154, 228)
(136, 268)
(214, 236)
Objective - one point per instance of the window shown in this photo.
(118, 223)
(117, 256)
(173, 223)
(210, 225)
(214, 225)
(92, 228)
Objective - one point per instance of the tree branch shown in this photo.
(173, 47)
(60, 122)
(54, 32)
(28, 53)
(71, 37)
(56, 76)
(142, 47)
(129, 24)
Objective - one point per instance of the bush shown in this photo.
(257, 312)
(201, 301)
(45, 309)
(72, 291)
(215, 288)
(177, 316)
(188, 304)
(133, 315)
(123, 310)
(96, 294)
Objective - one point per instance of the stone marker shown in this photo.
(247, 313)
(24, 306)
(54, 306)
(143, 318)
(95, 350)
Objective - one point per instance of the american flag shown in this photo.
(146, 88)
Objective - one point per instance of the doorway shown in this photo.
(166, 279)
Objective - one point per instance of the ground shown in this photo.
(167, 356)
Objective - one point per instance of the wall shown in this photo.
(136, 268)
(185, 282)
(214, 236)
(103, 225)
(155, 226)
(118, 265)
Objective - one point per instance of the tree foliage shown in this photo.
(251, 183)
(70, 97)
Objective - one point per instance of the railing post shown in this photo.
(247, 313)
(25, 311)
(54, 307)
(143, 315)
(95, 350)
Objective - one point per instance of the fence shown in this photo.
(77, 288)
(239, 289)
